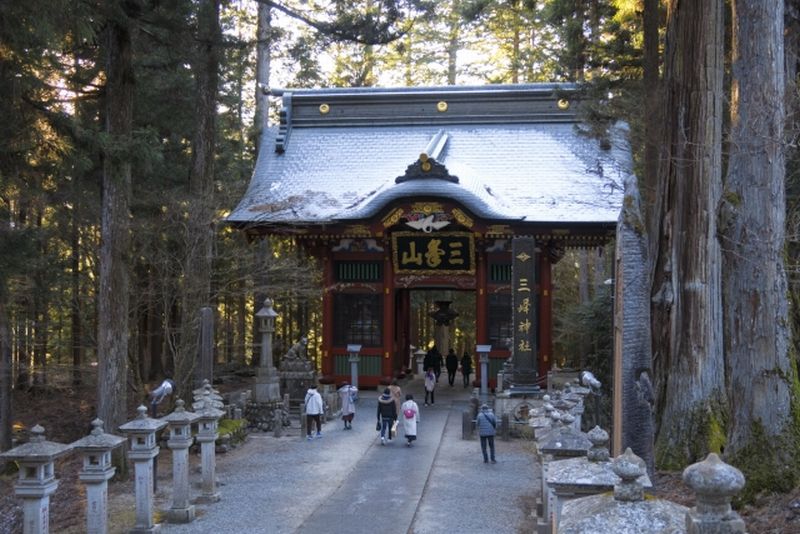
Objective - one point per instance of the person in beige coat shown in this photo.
(397, 397)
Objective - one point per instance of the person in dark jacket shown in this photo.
(487, 425)
(432, 359)
(451, 362)
(387, 414)
(466, 367)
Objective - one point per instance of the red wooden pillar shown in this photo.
(545, 316)
(388, 316)
(327, 311)
(402, 320)
(482, 305)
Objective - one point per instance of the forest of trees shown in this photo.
(130, 127)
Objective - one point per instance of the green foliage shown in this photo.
(583, 329)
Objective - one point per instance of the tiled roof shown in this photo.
(539, 169)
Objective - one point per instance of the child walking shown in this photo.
(430, 385)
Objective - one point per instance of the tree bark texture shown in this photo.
(200, 229)
(752, 227)
(264, 37)
(652, 109)
(687, 307)
(113, 296)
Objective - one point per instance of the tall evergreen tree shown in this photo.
(687, 308)
(114, 292)
(762, 436)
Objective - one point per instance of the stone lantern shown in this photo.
(208, 422)
(267, 381)
(36, 478)
(142, 434)
(96, 472)
(420, 356)
(353, 352)
(180, 439)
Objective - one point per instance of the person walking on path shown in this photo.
(487, 425)
(348, 395)
(314, 408)
(466, 367)
(387, 414)
(451, 362)
(430, 385)
(433, 360)
(397, 395)
(410, 412)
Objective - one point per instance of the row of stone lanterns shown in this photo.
(37, 474)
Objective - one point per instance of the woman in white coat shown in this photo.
(410, 415)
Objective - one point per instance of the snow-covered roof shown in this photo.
(509, 153)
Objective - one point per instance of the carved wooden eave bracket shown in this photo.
(427, 165)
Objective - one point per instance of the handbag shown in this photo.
(378, 426)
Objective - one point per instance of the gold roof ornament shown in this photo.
(441, 106)
(324, 109)
(563, 104)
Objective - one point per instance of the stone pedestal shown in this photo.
(626, 510)
(268, 387)
(180, 439)
(354, 359)
(142, 433)
(267, 381)
(36, 478)
(574, 478)
(96, 472)
(207, 425)
(483, 358)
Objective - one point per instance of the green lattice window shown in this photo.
(358, 271)
(358, 319)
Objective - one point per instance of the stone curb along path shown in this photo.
(346, 482)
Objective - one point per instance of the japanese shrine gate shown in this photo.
(401, 189)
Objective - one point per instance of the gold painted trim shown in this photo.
(462, 218)
(357, 230)
(393, 218)
(427, 207)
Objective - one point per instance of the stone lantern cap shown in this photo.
(713, 477)
(267, 312)
(629, 468)
(599, 450)
(37, 449)
(206, 410)
(565, 441)
(143, 424)
(206, 388)
(180, 416)
(98, 440)
(205, 396)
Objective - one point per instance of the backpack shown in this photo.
(409, 413)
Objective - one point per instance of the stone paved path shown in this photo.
(347, 482)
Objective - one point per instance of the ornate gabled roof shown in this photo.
(506, 152)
